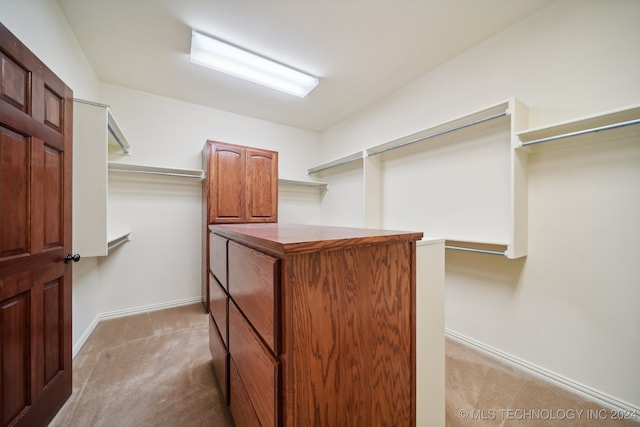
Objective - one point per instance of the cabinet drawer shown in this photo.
(253, 285)
(257, 368)
(241, 409)
(218, 258)
(218, 303)
(220, 357)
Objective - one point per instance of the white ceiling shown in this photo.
(361, 50)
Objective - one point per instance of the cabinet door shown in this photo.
(226, 184)
(261, 186)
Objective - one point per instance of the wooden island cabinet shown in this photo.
(314, 325)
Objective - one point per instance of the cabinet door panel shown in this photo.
(226, 184)
(256, 366)
(253, 287)
(262, 186)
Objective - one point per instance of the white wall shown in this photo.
(162, 263)
(570, 307)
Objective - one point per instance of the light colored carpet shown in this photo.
(151, 369)
(483, 391)
(154, 369)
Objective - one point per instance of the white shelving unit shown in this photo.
(372, 161)
(566, 133)
(522, 142)
(96, 135)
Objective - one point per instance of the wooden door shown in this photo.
(261, 185)
(226, 183)
(35, 235)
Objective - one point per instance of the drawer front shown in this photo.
(257, 368)
(218, 303)
(218, 258)
(253, 285)
(220, 358)
(241, 409)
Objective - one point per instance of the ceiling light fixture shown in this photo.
(218, 55)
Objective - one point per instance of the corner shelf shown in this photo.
(116, 167)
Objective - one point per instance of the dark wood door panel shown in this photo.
(15, 331)
(14, 193)
(14, 83)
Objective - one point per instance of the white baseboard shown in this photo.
(85, 336)
(148, 308)
(574, 387)
(127, 312)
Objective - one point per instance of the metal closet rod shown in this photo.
(118, 243)
(481, 251)
(182, 175)
(582, 132)
(439, 133)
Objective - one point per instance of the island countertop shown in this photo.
(285, 239)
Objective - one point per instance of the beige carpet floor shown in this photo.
(483, 391)
(151, 369)
(154, 369)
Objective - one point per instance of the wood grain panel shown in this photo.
(227, 194)
(257, 368)
(14, 83)
(241, 409)
(218, 306)
(262, 191)
(14, 193)
(52, 329)
(351, 337)
(53, 109)
(253, 285)
(218, 258)
(15, 356)
(220, 358)
(52, 202)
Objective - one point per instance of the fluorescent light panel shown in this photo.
(220, 56)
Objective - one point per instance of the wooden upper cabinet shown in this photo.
(242, 184)
(261, 197)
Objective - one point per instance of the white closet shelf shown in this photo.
(305, 184)
(197, 174)
(492, 112)
(477, 117)
(354, 157)
(532, 138)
